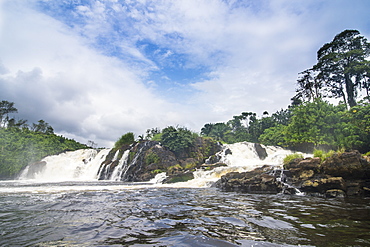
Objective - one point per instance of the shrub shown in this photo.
(126, 139)
(177, 139)
(151, 158)
(157, 171)
(324, 155)
(291, 157)
(190, 166)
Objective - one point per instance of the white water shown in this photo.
(243, 158)
(83, 165)
(80, 165)
(121, 167)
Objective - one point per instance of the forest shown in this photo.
(22, 144)
(342, 73)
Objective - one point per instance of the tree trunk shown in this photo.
(350, 91)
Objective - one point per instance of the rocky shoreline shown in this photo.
(341, 175)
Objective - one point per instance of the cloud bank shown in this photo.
(95, 70)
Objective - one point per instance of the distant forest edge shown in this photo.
(22, 144)
(342, 71)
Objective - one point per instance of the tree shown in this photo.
(125, 139)
(309, 85)
(342, 65)
(42, 127)
(178, 139)
(6, 108)
(317, 123)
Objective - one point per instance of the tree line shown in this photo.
(22, 144)
(342, 71)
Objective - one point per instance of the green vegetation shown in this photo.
(322, 154)
(342, 71)
(178, 139)
(126, 139)
(291, 157)
(21, 144)
(151, 158)
(20, 147)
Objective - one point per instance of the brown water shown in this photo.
(115, 214)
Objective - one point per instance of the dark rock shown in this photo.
(342, 175)
(335, 193)
(257, 181)
(212, 166)
(261, 151)
(179, 177)
(228, 151)
(148, 158)
(350, 165)
(323, 184)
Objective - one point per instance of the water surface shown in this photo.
(117, 214)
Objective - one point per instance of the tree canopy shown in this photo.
(342, 70)
(21, 145)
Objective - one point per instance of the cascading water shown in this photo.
(239, 157)
(121, 168)
(89, 164)
(80, 165)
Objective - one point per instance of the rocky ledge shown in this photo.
(341, 175)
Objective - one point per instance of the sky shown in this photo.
(95, 70)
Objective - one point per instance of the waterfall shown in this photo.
(238, 157)
(90, 164)
(121, 167)
(81, 165)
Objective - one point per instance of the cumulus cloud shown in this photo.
(95, 70)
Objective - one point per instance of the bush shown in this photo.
(151, 158)
(324, 155)
(177, 139)
(291, 157)
(126, 139)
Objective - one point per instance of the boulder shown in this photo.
(257, 181)
(343, 174)
(322, 185)
(261, 151)
(349, 165)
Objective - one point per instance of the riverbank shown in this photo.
(341, 175)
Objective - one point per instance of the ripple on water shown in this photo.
(179, 217)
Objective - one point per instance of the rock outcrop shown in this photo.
(258, 181)
(346, 174)
(148, 158)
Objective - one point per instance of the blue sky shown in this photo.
(95, 70)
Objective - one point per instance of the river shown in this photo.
(119, 214)
(60, 202)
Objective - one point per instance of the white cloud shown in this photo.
(53, 75)
(93, 89)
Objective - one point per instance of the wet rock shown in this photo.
(179, 177)
(349, 165)
(212, 166)
(261, 151)
(335, 193)
(323, 184)
(345, 174)
(258, 181)
(148, 158)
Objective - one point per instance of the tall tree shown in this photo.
(309, 85)
(342, 65)
(6, 108)
(42, 127)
